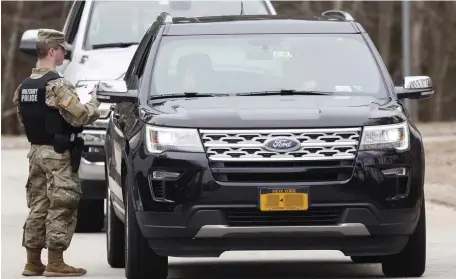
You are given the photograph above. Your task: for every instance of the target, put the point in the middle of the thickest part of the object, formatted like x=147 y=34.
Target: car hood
x=106 y=63
x=273 y=112
x=103 y=64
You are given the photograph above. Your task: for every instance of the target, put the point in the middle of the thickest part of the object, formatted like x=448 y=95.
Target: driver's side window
x=71 y=26
x=131 y=79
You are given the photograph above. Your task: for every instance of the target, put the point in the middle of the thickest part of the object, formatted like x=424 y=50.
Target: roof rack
x=222 y=18
x=165 y=17
x=338 y=14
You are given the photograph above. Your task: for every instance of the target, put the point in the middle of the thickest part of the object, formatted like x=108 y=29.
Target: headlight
x=172 y=139
x=394 y=136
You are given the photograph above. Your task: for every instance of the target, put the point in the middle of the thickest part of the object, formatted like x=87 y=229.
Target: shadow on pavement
x=274 y=269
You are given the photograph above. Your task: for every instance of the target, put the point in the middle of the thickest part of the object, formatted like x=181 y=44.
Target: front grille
x=247 y=145
x=317 y=216
x=93 y=154
x=93 y=137
x=100 y=123
x=240 y=155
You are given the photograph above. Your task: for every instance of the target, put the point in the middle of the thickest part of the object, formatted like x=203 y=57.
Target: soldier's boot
x=34 y=266
x=58 y=268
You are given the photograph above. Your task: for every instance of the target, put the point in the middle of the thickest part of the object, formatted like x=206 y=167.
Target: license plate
x=284 y=199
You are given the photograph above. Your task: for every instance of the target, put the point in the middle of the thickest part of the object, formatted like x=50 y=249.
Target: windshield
x=339 y=63
x=127 y=21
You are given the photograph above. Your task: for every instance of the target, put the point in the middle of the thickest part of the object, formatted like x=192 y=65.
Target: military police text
x=29 y=95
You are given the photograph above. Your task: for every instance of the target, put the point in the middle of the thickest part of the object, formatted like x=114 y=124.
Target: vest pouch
x=61 y=143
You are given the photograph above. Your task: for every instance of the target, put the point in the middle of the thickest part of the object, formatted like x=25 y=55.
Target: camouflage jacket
x=61 y=94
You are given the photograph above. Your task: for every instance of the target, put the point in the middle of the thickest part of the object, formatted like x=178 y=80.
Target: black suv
x=262 y=133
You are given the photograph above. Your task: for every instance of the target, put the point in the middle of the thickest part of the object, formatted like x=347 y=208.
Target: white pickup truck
x=104 y=36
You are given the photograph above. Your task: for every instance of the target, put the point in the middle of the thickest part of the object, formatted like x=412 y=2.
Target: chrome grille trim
x=275 y=131
x=247 y=145
x=303 y=144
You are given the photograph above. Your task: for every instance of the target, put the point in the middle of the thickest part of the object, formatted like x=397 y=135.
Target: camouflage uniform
x=53 y=190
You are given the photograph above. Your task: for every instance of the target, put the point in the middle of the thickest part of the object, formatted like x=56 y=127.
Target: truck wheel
x=90 y=216
x=114 y=236
x=141 y=262
x=411 y=261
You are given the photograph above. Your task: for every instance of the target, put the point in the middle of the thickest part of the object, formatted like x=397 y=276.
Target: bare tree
x=8 y=78
x=385 y=24
x=433 y=43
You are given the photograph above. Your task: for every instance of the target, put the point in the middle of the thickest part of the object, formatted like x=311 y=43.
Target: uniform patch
x=66 y=102
x=29 y=95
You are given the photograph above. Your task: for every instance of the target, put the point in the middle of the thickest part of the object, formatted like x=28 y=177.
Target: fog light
x=395 y=172
x=161 y=175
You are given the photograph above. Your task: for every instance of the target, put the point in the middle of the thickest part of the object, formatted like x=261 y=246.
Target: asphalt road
x=89 y=250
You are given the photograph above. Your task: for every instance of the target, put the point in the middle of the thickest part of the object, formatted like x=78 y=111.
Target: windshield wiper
x=185 y=95
x=285 y=92
x=120 y=44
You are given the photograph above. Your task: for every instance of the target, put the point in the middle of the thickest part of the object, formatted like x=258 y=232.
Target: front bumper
x=91 y=170
x=93 y=157
x=361 y=230
x=368 y=210
x=92 y=167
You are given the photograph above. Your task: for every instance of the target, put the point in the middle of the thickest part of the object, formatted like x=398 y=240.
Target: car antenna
x=242 y=8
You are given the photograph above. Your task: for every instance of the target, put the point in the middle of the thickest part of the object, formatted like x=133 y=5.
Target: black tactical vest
x=41 y=122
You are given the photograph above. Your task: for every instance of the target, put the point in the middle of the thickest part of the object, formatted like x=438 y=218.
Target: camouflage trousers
x=53 y=194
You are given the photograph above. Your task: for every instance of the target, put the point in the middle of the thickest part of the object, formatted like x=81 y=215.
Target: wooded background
x=433 y=44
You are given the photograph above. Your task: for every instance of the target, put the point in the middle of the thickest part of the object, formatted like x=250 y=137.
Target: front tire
x=141 y=262
x=114 y=236
x=411 y=261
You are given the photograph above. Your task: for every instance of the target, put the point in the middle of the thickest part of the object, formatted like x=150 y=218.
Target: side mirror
x=115 y=91
x=28 y=43
x=415 y=87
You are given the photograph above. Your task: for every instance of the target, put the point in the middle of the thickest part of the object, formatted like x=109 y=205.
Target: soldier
x=52 y=115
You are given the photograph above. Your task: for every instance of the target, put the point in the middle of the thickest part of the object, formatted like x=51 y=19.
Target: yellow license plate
x=284 y=199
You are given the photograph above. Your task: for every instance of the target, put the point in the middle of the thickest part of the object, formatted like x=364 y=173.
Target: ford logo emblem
x=282 y=144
